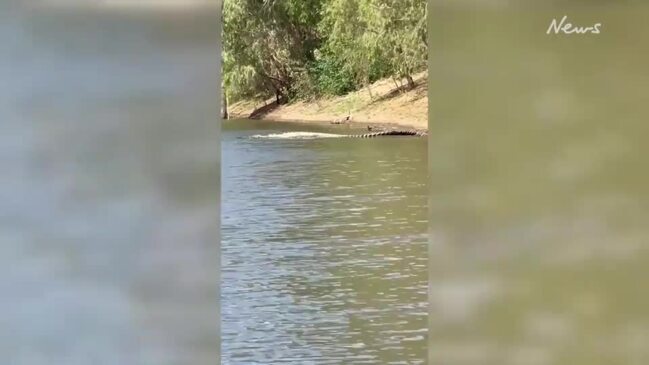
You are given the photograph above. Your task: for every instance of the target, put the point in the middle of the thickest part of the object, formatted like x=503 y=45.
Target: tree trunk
x=411 y=82
x=226 y=115
x=396 y=86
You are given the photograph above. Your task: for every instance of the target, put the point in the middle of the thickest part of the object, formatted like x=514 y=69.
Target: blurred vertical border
x=539 y=191
x=110 y=187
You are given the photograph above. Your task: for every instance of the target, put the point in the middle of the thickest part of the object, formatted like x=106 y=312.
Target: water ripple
x=324 y=251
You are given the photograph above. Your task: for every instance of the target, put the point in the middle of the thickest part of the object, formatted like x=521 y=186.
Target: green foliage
x=307 y=48
x=330 y=77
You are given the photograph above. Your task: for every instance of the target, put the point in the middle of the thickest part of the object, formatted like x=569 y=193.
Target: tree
x=290 y=48
x=377 y=38
x=272 y=39
x=405 y=36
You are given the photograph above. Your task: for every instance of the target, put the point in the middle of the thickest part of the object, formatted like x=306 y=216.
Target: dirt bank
x=388 y=105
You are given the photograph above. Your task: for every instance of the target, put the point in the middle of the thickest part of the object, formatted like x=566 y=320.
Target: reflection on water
x=324 y=248
x=539 y=189
x=109 y=184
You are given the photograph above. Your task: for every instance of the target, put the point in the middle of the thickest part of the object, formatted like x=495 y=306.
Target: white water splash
x=297 y=135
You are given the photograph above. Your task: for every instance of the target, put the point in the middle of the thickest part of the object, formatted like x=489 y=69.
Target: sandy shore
x=388 y=106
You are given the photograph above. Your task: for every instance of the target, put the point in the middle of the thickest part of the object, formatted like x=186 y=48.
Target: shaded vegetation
x=300 y=49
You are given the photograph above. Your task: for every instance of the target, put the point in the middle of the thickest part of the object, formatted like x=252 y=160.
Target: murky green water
x=539 y=186
x=324 y=248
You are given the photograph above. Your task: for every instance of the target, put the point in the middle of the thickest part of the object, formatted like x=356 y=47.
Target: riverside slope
x=388 y=106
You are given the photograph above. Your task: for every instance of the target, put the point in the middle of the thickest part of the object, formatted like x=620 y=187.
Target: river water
x=324 y=252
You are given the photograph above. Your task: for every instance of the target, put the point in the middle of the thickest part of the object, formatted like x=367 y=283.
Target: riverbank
x=389 y=104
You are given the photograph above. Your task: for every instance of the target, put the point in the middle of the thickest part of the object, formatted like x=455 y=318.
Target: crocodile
x=343 y=120
x=314 y=135
x=388 y=133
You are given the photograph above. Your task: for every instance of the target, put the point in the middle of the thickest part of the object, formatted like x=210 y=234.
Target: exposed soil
x=390 y=105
